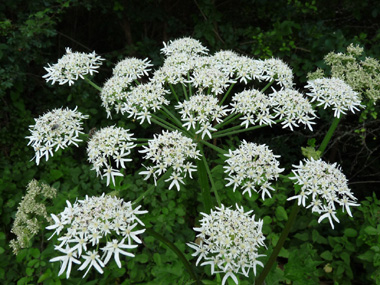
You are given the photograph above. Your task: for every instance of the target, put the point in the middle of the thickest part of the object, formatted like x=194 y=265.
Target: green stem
x=267 y=86
x=174 y=93
x=92 y=84
x=185 y=92
x=175 y=249
x=188 y=79
x=228 y=120
x=214 y=147
x=137 y=82
x=161 y=124
x=238 y=131
x=329 y=134
x=227 y=93
x=151 y=188
x=205 y=187
x=164 y=122
x=210 y=177
x=280 y=243
x=174 y=118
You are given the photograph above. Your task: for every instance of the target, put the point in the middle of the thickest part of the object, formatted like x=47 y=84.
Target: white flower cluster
x=229 y=240
x=132 y=68
x=56 y=129
x=200 y=111
x=334 y=92
x=322 y=185
x=114 y=93
x=187 y=45
x=107 y=148
x=252 y=166
x=295 y=109
x=102 y=223
x=276 y=69
x=143 y=100
x=71 y=66
x=210 y=78
x=170 y=149
x=254 y=105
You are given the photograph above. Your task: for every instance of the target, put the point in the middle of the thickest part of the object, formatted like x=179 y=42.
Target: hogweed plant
x=196 y=98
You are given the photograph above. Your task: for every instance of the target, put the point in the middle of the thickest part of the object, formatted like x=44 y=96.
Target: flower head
x=276 y=69
x=89 y=225
x=54 y=130
x=334 y=92
x=252 y=167
x=171 y=150
x=201 y=110
x=229 y=241
x=188 y=45
x=72 y=66
x=110 y=147
x=132 y=67
x=322 y=186
x=143 y=100
x=114 y=93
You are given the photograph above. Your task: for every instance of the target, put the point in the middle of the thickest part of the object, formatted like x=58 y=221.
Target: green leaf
x=371 y=231
x=302 y=236
x=316 y=237
x=55 y=174
x=45 y=276
x=327 y=255
x=281 y=214
x=350 y=232
x=29 y=271
x=142 y=258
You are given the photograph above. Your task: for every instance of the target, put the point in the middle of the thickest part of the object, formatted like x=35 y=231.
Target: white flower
x=66 y=260
x=229 y=240
x=110 y=144
x=170 y=149
x=186 y=44
x=89 y=225
x=55 y=130
x=277 y=70
x=322 y=186
x=132 y=68
x=72 y=66
x=336 y=93
x=252 y=166
x=203 y=110
x=143 y=100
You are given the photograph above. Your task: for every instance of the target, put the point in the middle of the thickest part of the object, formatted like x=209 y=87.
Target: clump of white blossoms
x=31 y=213
x=279 y=71
x=199 y=112
x=170 y=150
x=143 y=100
x=229 y=241
x=132 y=67
x=71 y=66
x=55 y=130
x=114 y=93
x=293 y=108
x=322 y=186
x=94 y=230
x=187 y=45
x=110 y=147
x=252 y=167
x=255 y=106
x=334 y=92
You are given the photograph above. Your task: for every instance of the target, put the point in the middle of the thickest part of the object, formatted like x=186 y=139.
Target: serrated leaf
x=281 y=214
x=327 y=255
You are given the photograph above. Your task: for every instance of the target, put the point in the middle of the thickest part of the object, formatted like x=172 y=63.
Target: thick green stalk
x=173 y=91
x=205 y=187
x=238 y=131
x=267 y=86
x=184 y=91
x=210 y=177
x=214 y=147
x=92 y=84
x=175 y=249
x=228 y=120
x=329 y=134
x=161 y=124
x=174 y=118
x=280 y=243
x=227 y=93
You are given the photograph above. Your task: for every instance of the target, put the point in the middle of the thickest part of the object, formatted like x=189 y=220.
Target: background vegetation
x=34 y=33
